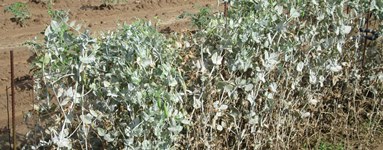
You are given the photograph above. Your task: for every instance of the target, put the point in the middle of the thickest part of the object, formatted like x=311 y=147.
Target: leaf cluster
x=272 y=75
x=20 y=12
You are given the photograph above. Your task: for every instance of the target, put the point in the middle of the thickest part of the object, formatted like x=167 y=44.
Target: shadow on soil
x=4 y=139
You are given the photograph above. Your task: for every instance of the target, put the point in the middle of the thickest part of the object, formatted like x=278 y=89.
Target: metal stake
x=9 y=127
x=13 y=101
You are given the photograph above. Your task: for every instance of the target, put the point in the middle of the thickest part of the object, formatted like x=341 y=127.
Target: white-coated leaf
x=47 y=31
x=216 y=59
x=249 y=87
x=313 y=101
x=61 y=141
x=60 y=92
x=187 y=44
x=172 y=82
x=261 y=77
x=78 y=27
x=305 y=114
x=101 y=131
x=223 y=107
x=215 y=104
x=320 y=17
x=270 y=60
x=69 y=118
x=300 y=66
x=108 y=138
x=294 y=13
x=69 y=92
x=87 y=60
x=339 y=47
x=65 y=101
x=254 y=120
x=87 y=119
x=273 y=87
x=312 y=77
x=185 y=121
x=197 y=103
x=93 y=113
x=175 y=129
x=72 y=24
x=146 y=62
x=219 y=128
x=279 y=9
x=55 y=25
x=335 y=68
x=106 y=84
x=251 y=97
x=380 y=76
x=321 y=80
x=314 y=2
x=345 y=30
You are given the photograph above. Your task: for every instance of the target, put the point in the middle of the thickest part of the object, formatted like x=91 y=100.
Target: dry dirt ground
x=91 y=16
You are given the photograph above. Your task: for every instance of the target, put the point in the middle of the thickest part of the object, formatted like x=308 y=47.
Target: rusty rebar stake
x=365 y=40
x=225 y=9
x=13 y=101
x=9 y=127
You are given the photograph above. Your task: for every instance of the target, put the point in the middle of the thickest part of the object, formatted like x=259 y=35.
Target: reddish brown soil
x=85 y=12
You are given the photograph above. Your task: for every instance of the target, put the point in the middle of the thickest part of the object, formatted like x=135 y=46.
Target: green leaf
x=166 y=111
x=46 y=59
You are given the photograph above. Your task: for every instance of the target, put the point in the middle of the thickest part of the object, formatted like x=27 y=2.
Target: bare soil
x=92 y=15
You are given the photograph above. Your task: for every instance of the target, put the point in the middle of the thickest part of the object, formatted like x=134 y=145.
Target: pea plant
x=119 y=91
x=19 y=11
x=113 y=2
x=268 y=75
x=283 y=74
